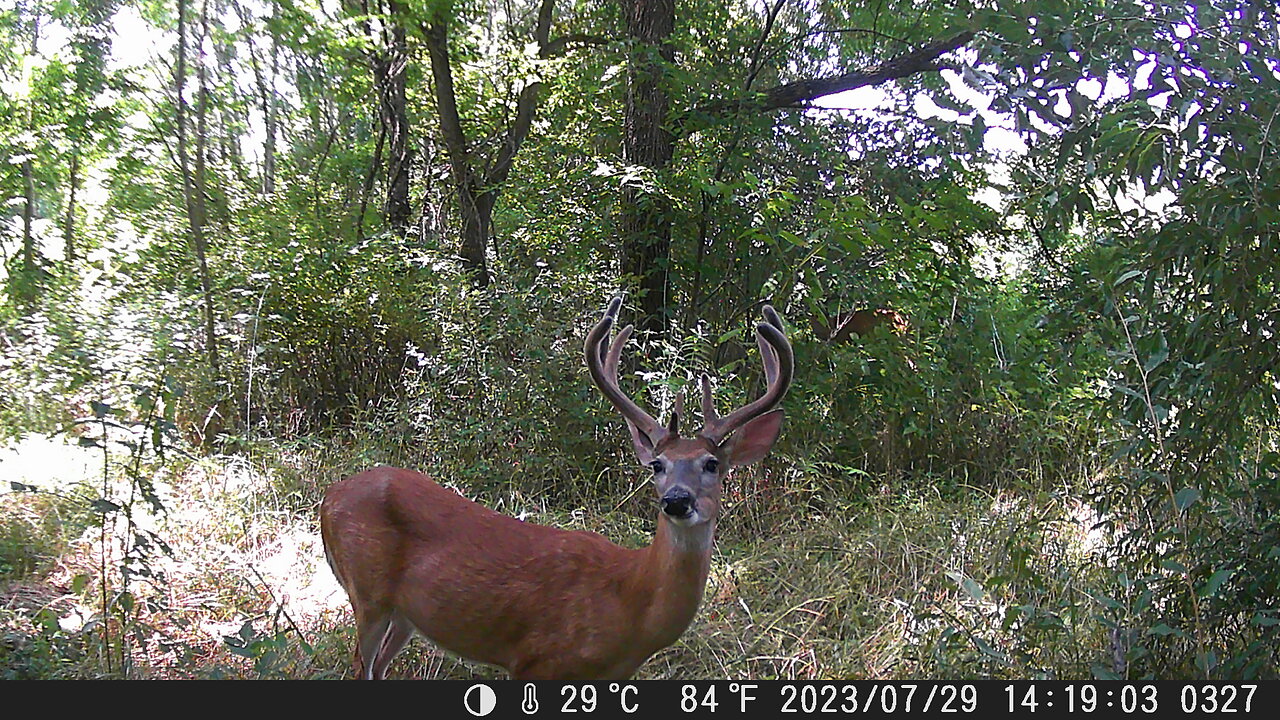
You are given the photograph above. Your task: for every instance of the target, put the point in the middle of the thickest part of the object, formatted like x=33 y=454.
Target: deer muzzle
x=678 y=503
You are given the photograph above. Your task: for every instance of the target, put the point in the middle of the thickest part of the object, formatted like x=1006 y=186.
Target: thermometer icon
x=530 y=702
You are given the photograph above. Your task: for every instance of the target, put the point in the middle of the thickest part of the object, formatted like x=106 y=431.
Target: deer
x=845 y=325
x=546 y=603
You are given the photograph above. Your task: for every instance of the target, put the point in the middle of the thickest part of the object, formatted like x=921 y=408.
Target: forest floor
x=229 y=580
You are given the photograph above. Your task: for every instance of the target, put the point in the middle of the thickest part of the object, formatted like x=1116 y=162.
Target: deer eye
x=657 y=466
x=711 y=465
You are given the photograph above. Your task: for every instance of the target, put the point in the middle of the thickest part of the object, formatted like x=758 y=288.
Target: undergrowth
x=805 y=583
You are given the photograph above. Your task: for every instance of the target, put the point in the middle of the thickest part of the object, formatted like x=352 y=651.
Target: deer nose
x=678 y=503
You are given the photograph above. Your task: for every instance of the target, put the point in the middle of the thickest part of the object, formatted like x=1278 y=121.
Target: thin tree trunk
x=29 y=175
x=646 y=216
x=270 y=116
x=389 y=62
x=478 y=191
x=265 y=93
x=475 y=212
x=374 y=168
x=69 y=226
x=229 y=116
x=202 y=186
x=28 y=217
x=394 y=74
x=193 y=188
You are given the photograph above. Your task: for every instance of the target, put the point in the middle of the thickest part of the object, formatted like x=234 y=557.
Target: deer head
x=688 y=471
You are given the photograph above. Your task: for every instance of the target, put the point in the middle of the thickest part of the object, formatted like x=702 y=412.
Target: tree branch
x=543 y=30
x=516 y=134
x=799 y=93
x=562 y=44
x=526 y=104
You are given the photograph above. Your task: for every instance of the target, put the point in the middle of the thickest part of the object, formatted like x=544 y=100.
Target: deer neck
x=671 y=577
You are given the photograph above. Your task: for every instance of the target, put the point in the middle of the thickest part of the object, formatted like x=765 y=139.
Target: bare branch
x=564 y=43
x=516 y=134
x=924 y=59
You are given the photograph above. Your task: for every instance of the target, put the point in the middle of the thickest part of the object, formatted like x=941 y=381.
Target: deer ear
x=642 y=444
x=754 y=440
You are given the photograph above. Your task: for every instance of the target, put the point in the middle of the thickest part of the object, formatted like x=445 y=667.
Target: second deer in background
x=845 y=325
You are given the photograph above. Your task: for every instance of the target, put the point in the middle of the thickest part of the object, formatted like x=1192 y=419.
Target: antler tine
x=771 y=316
x=769 y=358
x=603 y=367
x=778 y=367
x=767 y=354
x=596 y=339
x=613 y=356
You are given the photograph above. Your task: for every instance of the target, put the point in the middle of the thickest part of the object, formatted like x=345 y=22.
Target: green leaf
x=1154 y=360
x=1163 y=630
x=1206 y=661
x=1215 y=582
x=1103 y=673
x=104 y=506
x=969 y=585
x=1185 y=498
x=1126 y=277
x=988 y=650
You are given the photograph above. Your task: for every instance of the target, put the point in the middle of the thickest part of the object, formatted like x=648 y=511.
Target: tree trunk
x=268 y=147
x=29 y=177
x=477 y=223
x=478 y=191
x=28 y=217
x=374 y=167
x=269 y=115
x=389 y=62
x=193 y=188
x=202 y=190
x=69 y=226
x=229 y=116
x=391 y=69
x=265 y=97
x=476 y=206
x=647 y=216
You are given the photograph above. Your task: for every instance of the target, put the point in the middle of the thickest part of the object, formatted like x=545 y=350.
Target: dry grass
x=802 y=586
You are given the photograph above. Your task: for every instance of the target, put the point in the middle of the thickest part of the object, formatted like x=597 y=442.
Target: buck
x=542 y=602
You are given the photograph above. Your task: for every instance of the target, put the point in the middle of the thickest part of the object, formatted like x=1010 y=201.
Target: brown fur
x=528 y=598
x=845 y=325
